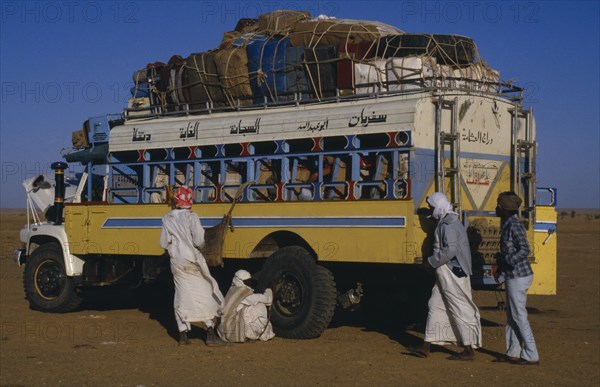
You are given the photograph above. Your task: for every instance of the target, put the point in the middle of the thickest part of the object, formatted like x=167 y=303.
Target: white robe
x=453 y=316
x=249 y=319
x=197 y=294
x=256 y=316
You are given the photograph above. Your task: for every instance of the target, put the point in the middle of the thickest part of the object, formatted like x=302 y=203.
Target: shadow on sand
x=396 y=308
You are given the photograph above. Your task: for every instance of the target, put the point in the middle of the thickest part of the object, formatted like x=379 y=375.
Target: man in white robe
x=245 y=314
x=453 y=316
x=197 y=294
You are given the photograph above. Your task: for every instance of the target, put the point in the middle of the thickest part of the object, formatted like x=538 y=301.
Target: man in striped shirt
x=513 y=264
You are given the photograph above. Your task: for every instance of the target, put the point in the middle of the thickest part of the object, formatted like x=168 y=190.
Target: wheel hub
x=288 y=294
x=49 y=280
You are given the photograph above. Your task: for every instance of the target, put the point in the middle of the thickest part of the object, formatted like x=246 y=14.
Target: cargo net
x=286 y=56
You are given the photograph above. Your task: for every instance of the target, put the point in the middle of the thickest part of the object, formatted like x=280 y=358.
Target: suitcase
x=321 y=71
x=371 y=76
x=349 y=54
x=412 y=72
x=295 y=74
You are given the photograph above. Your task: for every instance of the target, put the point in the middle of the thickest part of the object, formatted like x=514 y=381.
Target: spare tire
x=446 y=49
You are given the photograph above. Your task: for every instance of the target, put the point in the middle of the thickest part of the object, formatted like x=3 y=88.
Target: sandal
x=183 y=338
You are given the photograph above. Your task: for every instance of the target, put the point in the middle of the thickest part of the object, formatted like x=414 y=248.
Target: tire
x=47 y=287
x=304 y=293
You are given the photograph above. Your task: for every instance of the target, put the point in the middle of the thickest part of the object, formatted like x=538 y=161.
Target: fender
x=45 y=232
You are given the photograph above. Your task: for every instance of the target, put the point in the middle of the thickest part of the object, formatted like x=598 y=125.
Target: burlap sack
x=246 y=25
x=279 y=22
x=232 y=67
x=228 y=38
x=336 y=32
x=202 y=80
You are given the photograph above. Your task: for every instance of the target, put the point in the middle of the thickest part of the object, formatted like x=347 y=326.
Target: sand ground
x=120 y=337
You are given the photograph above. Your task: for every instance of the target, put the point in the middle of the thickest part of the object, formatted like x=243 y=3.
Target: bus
x=321 y=187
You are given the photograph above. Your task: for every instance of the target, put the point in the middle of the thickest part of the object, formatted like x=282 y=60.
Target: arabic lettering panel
x=284 y=123
x=479 y=176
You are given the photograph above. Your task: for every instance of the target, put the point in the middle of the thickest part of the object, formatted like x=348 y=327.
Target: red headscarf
x=184 y=196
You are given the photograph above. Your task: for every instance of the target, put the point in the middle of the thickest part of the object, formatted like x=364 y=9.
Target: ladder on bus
x=448 y=141
x=523 y=155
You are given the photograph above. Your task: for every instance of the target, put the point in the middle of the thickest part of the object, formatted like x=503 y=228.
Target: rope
x=446 y=64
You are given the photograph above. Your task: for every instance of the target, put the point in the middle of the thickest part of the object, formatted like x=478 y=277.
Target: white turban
x=441 y=205
x=240 y=276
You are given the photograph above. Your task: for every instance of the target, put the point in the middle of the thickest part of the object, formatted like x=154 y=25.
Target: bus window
x=208 y=180
x=266 y=176
x=335 y=177
x=304 y=171
x=184 y=174
x=234 y=175
x=125 y=183
x=160 y=180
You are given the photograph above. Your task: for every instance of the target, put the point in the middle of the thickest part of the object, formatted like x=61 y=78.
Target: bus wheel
x=46 y=284
x=304 y=294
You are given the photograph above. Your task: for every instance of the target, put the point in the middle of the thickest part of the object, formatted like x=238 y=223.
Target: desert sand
x=120 y=337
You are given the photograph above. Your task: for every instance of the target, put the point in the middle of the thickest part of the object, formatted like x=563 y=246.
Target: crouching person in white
x=245 y=315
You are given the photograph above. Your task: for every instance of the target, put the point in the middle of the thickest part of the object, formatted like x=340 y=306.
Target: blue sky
x=64 y=61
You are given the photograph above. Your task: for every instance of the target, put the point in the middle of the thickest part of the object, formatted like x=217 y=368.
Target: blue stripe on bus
x=321 y=222
x=249 y=222
x=148 y=222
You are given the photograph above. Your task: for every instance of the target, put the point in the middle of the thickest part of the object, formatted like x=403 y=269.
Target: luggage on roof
x=285 y=55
